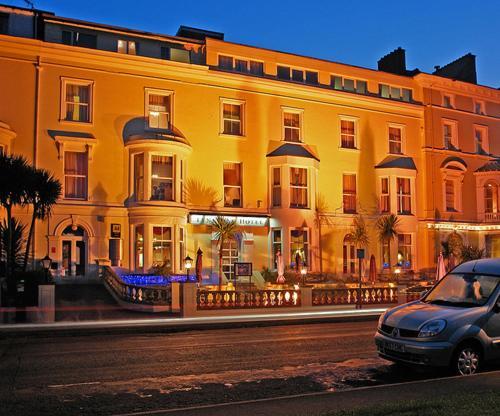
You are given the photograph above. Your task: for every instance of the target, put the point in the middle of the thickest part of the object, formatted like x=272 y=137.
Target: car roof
x=486 y=266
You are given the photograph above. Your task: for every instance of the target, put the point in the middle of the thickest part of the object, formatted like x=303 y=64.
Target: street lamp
x=46 y=263
x=303 y=272
x=188 y=264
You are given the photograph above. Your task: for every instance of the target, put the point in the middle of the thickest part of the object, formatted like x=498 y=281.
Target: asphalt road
x=111 y=374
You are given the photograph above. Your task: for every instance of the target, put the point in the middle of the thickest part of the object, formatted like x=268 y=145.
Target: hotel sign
x=463 y=227
x=198 y=219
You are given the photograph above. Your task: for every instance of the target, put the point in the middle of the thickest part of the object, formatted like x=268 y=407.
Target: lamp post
x=46 y=263
x=188 y=264
x=303 y=272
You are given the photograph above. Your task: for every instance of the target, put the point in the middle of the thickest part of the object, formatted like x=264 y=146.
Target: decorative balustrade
x=234 y=299
x=348 y=296
x=492 y=216
x=145 y=295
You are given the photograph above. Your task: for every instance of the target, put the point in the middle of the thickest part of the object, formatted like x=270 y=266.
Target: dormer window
x=127 y=46
x=348 y=84
x=448 y=101
x=297 y=75
x=479 y=107
x=242 y=65
x=396 y=93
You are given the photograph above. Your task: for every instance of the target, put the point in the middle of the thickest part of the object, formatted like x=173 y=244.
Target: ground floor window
x=299 y=248
x=162 y=246
x=348 y=256
x=230 y=255
x=182 y=250
x=492 y=245
x=139 y=246
x=276 y=245
x=404 y=251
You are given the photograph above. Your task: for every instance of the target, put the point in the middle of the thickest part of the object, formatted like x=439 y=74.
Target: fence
x=369 y=296
x=231 y=299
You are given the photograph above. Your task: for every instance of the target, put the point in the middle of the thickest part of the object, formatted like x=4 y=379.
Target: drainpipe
x=38 y=69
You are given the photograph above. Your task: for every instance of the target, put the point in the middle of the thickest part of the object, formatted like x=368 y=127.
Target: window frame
x=63 y=104
x=127 y=46
x=274 y=186
x=401 y=196
x=150 y=179
x=300 y=113
x=232 y=101
x=401 y=127
x=482 y=106
x=407 y=247
x=484 y=140
x=354 y=120
x=64 y=196
x=454 y=134
x=306 y=187
x=171 y=241
x=350 y=194
x=306 y=245
x=165 y=93
x=452 y=100
x=241 y=58
x=274 y=243
x=385 y=195
x=240 y=187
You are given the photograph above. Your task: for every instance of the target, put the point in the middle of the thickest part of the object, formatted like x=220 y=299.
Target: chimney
x=394 y=62
x=462 y=69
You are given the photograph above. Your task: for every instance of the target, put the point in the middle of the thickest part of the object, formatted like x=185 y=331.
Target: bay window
x=298 y=188
x=162 y=178
x=162 y=246
x=276 y=187
x=404 y=251
x=385 y=197
x=139 y=177
x=403 y=186
x=299 y=247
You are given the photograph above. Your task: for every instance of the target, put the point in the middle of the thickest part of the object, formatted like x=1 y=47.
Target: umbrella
x=199 y=262
x=451 y=262
x=373 y=270
x=281 y=268
x=441 y=270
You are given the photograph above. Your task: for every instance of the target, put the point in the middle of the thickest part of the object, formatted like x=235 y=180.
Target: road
x=111 y=374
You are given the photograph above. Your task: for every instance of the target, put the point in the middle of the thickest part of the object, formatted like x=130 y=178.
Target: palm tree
x=12 y=241
x=359 y=234
x=224 y=230
x=320 y=219
x=43 y=191
x=14 y=170
x=387 y=227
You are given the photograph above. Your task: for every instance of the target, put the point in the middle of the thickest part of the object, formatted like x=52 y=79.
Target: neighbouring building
x=152 y=136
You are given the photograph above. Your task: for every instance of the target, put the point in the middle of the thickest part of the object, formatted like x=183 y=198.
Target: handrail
x=145 y=295
x=349 y=296
x=242 y=299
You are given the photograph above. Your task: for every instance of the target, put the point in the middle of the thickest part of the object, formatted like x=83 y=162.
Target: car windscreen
x=463 y=289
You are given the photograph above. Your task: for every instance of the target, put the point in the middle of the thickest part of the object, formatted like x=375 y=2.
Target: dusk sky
x=358 y=33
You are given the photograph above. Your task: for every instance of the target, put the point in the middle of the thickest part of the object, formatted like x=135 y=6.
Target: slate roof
x=400 y=162
x=493 y=166
x=291 y=149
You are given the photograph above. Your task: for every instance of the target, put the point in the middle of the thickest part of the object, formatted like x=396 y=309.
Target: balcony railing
x=492 y=216
x=232 y=299
x=369 y=296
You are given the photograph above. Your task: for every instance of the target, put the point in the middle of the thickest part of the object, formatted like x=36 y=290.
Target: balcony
x=492 y=216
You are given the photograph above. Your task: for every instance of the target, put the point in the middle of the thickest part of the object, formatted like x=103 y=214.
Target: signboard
x=242 y=269
x=116 y=230
x=199 y=219
x=360 y=253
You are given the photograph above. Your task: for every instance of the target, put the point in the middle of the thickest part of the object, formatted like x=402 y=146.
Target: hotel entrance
x=74 y=251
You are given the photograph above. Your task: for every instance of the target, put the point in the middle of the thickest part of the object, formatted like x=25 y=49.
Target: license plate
x=394 y=346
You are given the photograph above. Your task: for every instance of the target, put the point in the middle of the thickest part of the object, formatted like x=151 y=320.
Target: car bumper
x=435 y=354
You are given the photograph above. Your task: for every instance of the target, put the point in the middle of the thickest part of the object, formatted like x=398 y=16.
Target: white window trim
x=62 y=108
x=239 y=162
x=308 y=254
x=455 y=172
x=412 y=249
x=403 y=138
x=344 y=77
x=165 y=93
x=454 y=133
x=172 y=243
x=63 y=193
x=381 y=194
x=357 y=192
x=233 y=101
x=271 y=185
x=412 y=194
x=356 y=132
x=149 y=160
x=308 y=187
x=300 y=112
x=271 y=235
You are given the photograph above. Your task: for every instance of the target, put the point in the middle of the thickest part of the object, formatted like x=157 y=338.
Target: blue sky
x=354 y=32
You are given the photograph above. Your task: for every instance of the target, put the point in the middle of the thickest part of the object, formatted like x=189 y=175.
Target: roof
x=400 y=162
x=487 y=266
x=70 y=134
x=292 y=149
x=493 y=166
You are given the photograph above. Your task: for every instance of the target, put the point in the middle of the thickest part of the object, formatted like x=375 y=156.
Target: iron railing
x=235 y=299
x=348 y=296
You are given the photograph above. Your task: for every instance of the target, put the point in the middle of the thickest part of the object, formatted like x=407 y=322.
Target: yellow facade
x=118 y=143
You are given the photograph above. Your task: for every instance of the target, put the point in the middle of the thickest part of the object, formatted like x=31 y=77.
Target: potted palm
x=224 y=229
x=387 y=228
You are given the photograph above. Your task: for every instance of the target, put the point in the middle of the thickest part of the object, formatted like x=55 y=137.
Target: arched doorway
x=74 y=250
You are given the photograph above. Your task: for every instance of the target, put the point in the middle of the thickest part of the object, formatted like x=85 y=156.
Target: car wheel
x=467 y=360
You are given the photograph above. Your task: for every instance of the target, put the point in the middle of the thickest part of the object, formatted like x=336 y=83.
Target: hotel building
x=152 y=136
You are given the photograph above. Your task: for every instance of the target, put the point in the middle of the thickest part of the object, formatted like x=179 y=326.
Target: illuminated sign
x=198 y=219
x=462 y=227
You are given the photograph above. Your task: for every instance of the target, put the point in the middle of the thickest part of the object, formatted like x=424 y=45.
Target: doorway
x=74 y=251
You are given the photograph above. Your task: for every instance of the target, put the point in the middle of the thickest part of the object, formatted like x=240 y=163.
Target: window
x=395 y=140
x=480 y=136
x=139 y=177
x=491 y=199
x=162 y=178
x=298 y=188
x=158 y=109
x=396 y=93
x=4 y=23
x=241 y=65
x=299 y=247
x=348 y=256
x=230 y=255
x=162 y=246
x=311 y=77
x=450 y=195
x=127 y=46
x=75 y=175
x=349 y=193
x=479 y=107
x=404 y=251
x=164 y=52
x=404 y=195
x=283 y=72
x=232 y=118
x=450 y=137
x=77 y=98
x=182 y=175
x=276 y=245
x=292 y=126
x=139 y=247
x=232 y=185
x=84 y=40
x=180 y=55
x=297 y=75
x=385 y=198
x=448 y=101
x=347 y=134
x=347 y=84
x=276 y=187
x=182 y=248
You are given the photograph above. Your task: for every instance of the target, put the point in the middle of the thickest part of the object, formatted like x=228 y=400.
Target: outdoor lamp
x=397 y=270
x=46 y=262
x=188 y=263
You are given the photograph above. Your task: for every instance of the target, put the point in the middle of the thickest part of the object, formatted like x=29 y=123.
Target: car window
x=465 y=289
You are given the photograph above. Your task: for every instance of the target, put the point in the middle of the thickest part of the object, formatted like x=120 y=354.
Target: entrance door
x=80 y=258
x=229 y=257
x=66 y=255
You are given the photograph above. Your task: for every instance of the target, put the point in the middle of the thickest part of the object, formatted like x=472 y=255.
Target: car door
x=492 y=329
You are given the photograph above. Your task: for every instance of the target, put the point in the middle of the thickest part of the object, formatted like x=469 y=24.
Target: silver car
x=456 y=324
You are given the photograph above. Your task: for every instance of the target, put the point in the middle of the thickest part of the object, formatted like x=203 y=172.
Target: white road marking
x=57 y=386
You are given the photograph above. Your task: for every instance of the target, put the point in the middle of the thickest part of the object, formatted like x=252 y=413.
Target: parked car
x=456 y=324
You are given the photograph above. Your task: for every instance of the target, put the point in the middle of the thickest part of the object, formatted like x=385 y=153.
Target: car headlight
x=432 y=328
x=381 y=319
